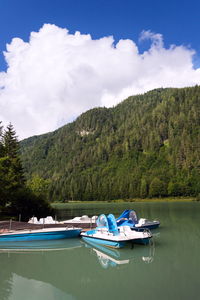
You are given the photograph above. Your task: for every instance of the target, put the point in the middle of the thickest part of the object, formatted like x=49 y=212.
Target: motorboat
x=129 y=218
x=39 y=234
x=107 y=233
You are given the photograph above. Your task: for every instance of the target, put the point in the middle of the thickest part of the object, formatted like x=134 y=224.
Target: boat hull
x=144 y=241
x=103 y=242
x=115 y=244
x=148 y=226
x=39 y=236
x=153 y=226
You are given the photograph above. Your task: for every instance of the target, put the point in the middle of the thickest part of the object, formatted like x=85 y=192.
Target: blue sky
x=178 y=21
x=50 y=75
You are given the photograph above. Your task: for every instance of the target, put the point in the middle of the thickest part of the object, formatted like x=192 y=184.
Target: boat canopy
x=102 y=221
x=108 y=222
x=112 y=224
x=133 y=216
x=127 y=217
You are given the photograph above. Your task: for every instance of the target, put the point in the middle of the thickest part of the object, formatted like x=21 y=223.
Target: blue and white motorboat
x=129 y=218
x=108 y=234
x=39 y=234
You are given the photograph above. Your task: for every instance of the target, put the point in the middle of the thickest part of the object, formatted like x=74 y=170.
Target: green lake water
x=167 y=269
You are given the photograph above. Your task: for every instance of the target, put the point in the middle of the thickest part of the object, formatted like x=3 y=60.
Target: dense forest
x=18 y=197
x=146 y=146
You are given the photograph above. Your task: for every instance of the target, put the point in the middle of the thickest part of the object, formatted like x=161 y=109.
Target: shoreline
x=162 y=200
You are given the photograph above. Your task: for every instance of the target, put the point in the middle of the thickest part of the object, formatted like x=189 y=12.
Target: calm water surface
x=166 y=269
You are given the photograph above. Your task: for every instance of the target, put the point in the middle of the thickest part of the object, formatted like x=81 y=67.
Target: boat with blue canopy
x=107 y=233
x=129 y=218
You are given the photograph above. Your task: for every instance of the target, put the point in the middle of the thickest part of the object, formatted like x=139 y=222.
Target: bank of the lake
x=62 y=205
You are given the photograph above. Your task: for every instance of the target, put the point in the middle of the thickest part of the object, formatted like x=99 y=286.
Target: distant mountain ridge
x=146 y=146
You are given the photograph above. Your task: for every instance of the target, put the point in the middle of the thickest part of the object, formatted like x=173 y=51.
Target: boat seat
x=33 y=220
x=85 y=217
x=103 y=230
x=142 y=221
x=124 y=229
x=49 y=220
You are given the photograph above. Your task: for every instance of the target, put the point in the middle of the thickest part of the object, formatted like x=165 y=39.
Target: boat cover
x=112 y=224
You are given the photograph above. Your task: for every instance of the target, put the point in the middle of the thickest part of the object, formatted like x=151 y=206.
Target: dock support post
x=10 y=225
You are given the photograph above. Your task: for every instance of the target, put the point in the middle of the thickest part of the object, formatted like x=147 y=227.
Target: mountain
x=146 y=146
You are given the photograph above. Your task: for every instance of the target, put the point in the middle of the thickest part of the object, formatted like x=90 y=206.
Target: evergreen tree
x=157 y=188
x=5 y=181
x=10 y=142
x=11 y=173
x=15 y=197
x=11 y=150
x=143 y=188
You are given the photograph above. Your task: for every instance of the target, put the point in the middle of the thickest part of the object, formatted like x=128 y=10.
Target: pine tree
x=143 y=188
x=157 y=188
x=10 y=142
x=15 y=197
x=11 y=151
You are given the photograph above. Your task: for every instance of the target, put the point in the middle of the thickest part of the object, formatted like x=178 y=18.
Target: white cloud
x=156 y=38
x=56 y=76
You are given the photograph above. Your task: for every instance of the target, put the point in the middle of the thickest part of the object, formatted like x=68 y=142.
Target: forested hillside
x=148 y=145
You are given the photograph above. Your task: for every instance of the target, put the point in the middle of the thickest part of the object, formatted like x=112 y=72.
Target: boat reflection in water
x=44 y=245
x=109 y=257
x=67 y=269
